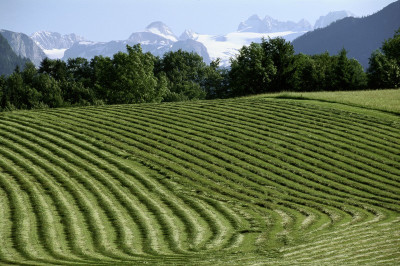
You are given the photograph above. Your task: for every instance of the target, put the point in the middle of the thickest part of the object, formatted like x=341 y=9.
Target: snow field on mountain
x=228 y=46
x=55 y=53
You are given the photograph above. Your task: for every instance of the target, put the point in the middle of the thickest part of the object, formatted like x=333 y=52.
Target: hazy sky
x=105 y=20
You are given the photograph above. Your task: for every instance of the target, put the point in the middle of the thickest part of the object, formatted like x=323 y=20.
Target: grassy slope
x=241 y=181
x=385 y=100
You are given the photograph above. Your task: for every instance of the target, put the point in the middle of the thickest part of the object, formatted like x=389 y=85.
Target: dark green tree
x=79 y=70
x=281 y=53
x=187 y=75
x=383 y=72
x=102 y=76
x=50 y=90
x=305 y=78
x=75 y=93
x=217 y=81
x=78 y=88
x=12 y=93
x=18 y=95
x=325 y=71
x=2 y=86
x=251 y=71
x=128 y=78
x=384 y=68
x=29 y=74
x=358 y=77
x=342 y=72
x=55 y=68
x=391 y=47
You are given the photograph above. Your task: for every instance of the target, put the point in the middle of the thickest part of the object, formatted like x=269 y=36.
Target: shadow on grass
x=291 y=97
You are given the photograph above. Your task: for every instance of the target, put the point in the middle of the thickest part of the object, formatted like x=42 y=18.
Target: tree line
x=137 y=77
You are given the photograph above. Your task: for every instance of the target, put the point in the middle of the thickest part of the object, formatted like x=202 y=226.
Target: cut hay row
x=241 y=181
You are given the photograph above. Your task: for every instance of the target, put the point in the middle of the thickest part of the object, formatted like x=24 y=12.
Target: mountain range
x=53 y=43
x=332 y=32
x=158 y=39
x=54 y=40
x=270 y=25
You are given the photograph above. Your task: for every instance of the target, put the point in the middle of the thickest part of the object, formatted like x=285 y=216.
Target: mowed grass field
x=249 y=181
x=384 y=100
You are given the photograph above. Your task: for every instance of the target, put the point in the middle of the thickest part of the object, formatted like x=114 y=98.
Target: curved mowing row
x=238 y=181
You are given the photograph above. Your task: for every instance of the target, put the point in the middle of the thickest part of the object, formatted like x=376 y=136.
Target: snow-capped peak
x=162 y=30
x=53 y=40
x=41 y=33
x=188 y=35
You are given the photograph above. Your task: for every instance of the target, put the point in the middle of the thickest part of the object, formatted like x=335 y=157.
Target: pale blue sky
x=105 y=20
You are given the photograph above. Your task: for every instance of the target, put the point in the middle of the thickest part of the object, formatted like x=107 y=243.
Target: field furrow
x=236 y=182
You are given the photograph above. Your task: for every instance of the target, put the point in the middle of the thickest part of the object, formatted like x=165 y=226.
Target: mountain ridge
x=359 y=36
x=270 y=25
x=9 y=60
x=157 y=38
x=331 y=17
x=24 y=46
x=53 y=40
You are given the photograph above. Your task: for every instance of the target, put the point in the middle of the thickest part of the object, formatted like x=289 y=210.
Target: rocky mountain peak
x=188 y=35
x=48 y=40
x=159 y=28
x=269 y=25
x=331 y=17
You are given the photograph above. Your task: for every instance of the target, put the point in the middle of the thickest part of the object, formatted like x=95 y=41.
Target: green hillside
x=383 y=100
x=245 y=181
